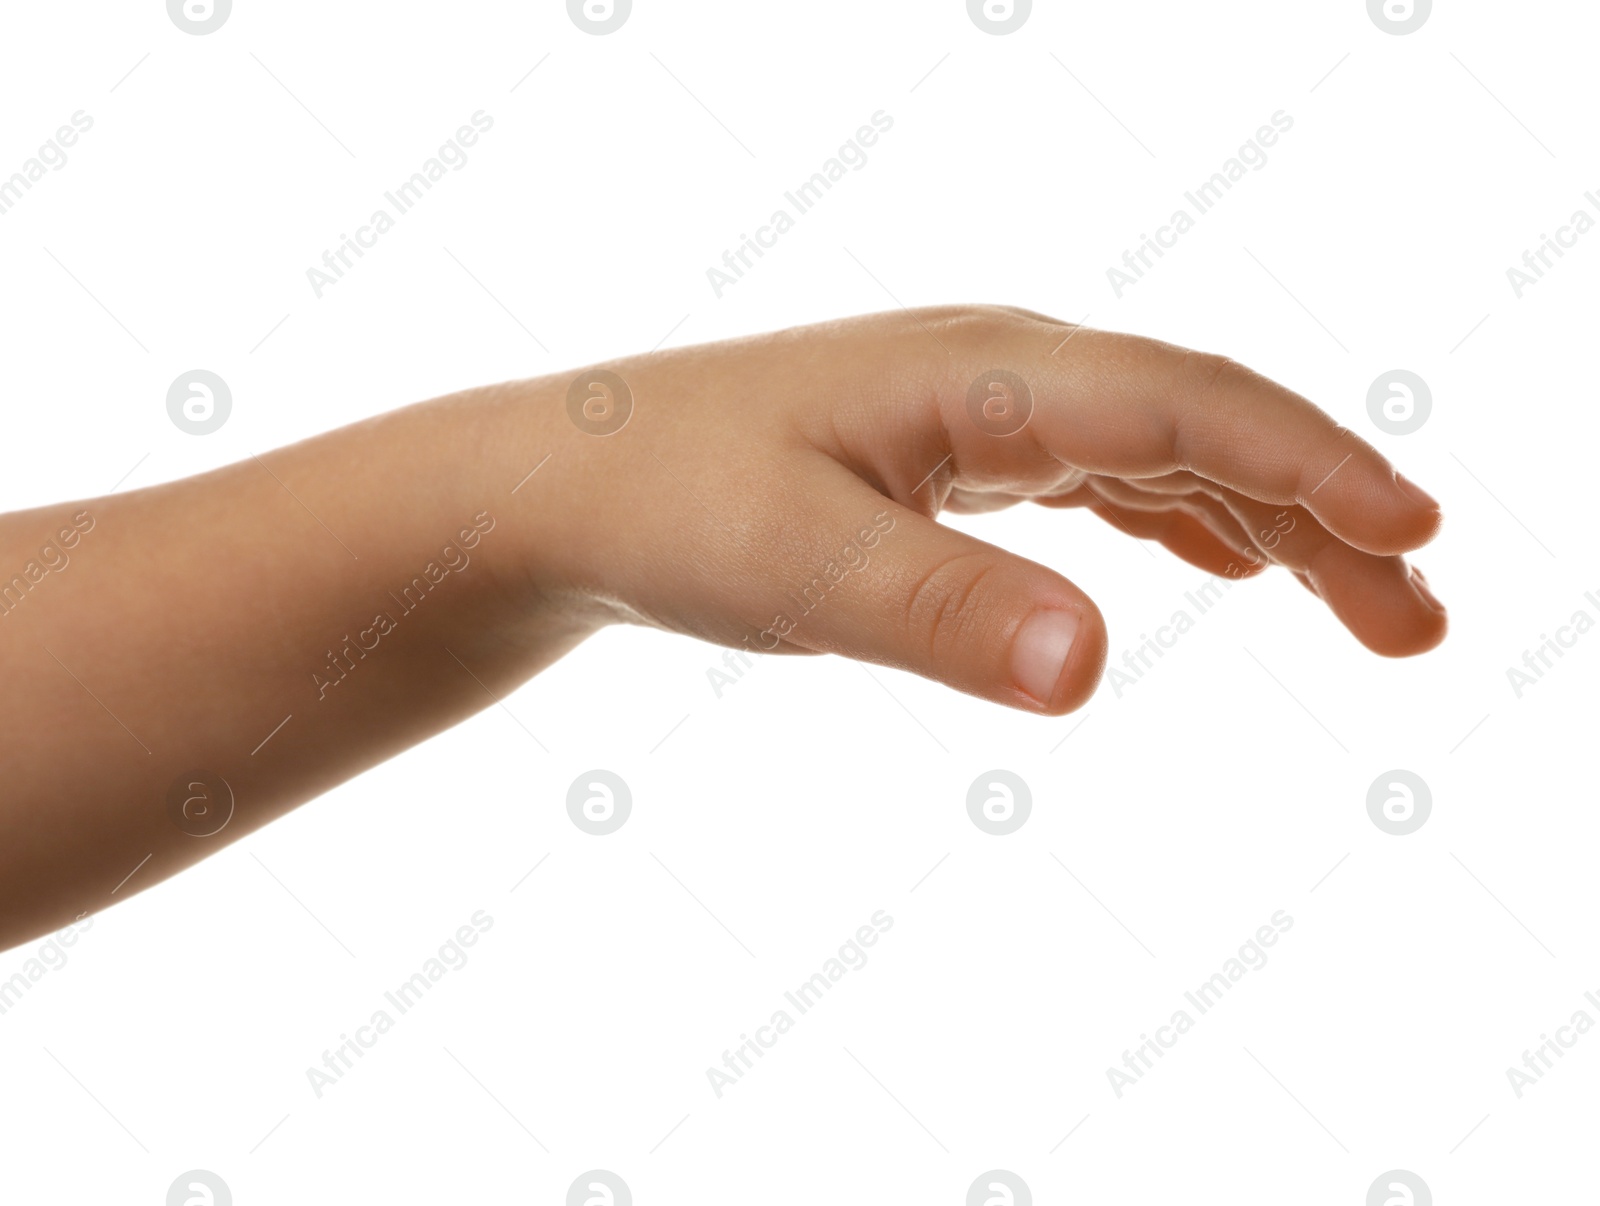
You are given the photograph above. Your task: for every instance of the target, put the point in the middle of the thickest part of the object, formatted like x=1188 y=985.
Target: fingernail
x=1415 y=492
x=1420 y=585
x=1040 y=650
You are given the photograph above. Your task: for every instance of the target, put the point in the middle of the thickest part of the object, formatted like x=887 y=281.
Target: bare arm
x=261 y=633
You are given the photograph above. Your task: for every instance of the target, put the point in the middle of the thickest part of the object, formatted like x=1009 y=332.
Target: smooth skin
x=194 y=616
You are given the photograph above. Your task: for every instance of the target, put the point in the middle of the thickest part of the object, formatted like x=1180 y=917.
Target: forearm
x=280 y=624
x=287 y=622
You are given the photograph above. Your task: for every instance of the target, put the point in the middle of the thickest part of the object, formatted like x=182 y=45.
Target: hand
x=382 y=582
x=779 y=494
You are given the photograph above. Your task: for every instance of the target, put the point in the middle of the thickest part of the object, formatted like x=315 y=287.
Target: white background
x=1230 y=782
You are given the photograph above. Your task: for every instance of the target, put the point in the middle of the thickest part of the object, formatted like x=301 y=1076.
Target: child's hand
x=330 y=604
x=778 y=493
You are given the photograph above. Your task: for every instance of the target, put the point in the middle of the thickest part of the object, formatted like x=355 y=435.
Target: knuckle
x=977 y=321
x=1034 y=317
x=942 y=606
x=1199 y=381
x=1324 y=456
x=1203 y=373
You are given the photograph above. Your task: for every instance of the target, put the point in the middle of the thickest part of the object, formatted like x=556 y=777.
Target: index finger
x=1130 y=407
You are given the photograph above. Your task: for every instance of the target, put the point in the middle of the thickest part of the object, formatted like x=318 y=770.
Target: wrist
x=520 y=471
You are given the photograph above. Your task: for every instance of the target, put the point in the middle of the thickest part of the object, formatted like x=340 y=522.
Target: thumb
x=950 y=607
